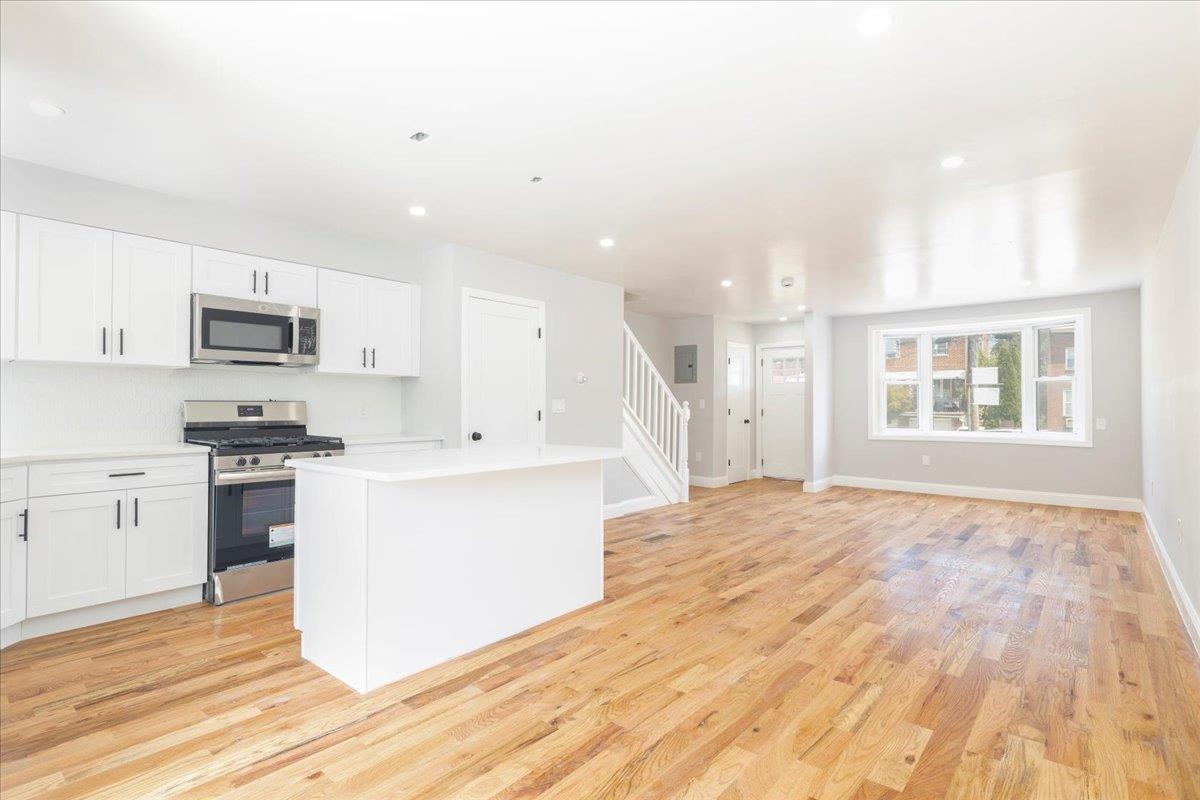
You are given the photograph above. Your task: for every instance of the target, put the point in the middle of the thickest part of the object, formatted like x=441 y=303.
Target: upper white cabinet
x=152 y=281
x=64 y=291
x=91 y=295
x=253 y=278
x=369 y=326
x=8 y=285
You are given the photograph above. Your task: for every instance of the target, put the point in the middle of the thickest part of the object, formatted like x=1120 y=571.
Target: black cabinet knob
x=476 y=436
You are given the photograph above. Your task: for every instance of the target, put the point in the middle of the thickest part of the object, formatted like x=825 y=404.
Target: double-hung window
x=1017 y=379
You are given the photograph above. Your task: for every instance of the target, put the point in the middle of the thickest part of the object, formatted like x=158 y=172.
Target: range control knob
x=241 y=462
x=285 y=458
x=316 y=455
x=328 y=454
x=254 y=461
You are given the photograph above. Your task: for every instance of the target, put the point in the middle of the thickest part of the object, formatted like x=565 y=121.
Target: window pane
x=1055 y=406
x=949 y=403
x=788 y=369
x=901 y=352
x=994 y=381
x=902 y=405
x=1056 y=351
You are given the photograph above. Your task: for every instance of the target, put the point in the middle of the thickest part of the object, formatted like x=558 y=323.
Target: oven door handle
x=233 y=477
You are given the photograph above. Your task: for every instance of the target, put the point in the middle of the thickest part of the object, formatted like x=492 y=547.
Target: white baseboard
x=707 y=482
x=820 y=485
x=755 y=474
x=613 y=510
x=1187 y=609
x=990 y=493
x=94 y=615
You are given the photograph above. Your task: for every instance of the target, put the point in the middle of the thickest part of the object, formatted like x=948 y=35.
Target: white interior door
x=782 y=421
x=504 y=371
x=152 y=285
x=739 y=385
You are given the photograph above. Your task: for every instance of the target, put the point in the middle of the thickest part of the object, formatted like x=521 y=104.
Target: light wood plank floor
x=756 y=643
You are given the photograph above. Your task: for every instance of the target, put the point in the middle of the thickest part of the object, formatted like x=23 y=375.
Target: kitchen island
x=406 y=560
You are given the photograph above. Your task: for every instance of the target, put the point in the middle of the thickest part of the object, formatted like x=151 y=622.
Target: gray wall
x=1171 y=382
x=819 y=394
x=1112 y=467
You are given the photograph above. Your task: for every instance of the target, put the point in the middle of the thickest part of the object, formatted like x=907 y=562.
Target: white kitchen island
x=406 y=560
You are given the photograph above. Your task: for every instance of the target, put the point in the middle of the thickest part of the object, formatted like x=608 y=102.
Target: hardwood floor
x=755 y=643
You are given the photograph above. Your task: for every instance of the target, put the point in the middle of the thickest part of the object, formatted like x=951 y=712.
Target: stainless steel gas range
x=252 y=490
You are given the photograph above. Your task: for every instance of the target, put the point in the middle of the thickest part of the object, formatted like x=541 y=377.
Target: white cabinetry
x=89 y=295
x=165 y=543
x=253 y=278
x=8 y=285
x=152 y=282
x=76 y=550
x=369 y=326
x=145 y=532
x=64 y=291
x=13 y=550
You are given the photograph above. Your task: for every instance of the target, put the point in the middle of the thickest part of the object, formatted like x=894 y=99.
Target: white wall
x=656 y=337
x=819 y=394
x=1112 y=467
x=54 y=405
x=1170 y=316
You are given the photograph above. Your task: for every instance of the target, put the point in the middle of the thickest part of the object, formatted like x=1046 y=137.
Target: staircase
x=655 y=434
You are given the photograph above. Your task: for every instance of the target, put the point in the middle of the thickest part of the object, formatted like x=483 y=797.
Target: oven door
x=252 y=514
x=226 y=329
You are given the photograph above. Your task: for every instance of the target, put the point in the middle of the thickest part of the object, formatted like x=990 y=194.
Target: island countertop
x=422 y=464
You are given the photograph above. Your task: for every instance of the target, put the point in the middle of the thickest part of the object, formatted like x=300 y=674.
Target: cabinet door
x=166 y=541
x=389 y=321
x=287 y=283
x=152 y=284
x=76 y=551
x=343 y=334
x=225 y=274
x=12 y=562
x=64 y=291
x=8 y=285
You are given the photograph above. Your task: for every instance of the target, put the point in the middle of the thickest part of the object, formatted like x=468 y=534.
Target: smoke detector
x=788 y=282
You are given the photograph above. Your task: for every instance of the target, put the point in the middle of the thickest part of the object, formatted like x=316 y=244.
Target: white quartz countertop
x=423 y=464
x=38 y=455
x=390 y=438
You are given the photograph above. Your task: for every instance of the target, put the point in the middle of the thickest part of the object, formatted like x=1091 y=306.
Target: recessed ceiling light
x=874 y=21
x=799 y=308
x=536 y=179
x=417 y=211
x=44 y=109
x=1027 y=283
x=419 y=136
x=727 y=283
x=607 y=243
x=783 y=319
x=953 y=162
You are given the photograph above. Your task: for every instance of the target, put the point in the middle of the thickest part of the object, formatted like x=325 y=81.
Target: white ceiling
x=744 y=141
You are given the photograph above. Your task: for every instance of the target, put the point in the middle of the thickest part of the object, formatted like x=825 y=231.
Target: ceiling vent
x=788 y=282
x=419 y=136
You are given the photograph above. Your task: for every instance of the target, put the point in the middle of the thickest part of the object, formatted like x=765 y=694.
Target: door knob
x=746 y=421
x=476 y=436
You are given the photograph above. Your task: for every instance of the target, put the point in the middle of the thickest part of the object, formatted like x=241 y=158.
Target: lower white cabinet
x=13 y=551
x=165 y=540
x=76 y=550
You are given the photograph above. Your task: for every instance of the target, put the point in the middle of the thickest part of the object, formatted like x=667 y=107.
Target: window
x=787 y=369
x=1004 y=380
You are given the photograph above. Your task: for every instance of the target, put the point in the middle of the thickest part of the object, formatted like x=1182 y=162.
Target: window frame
x=1027 y=325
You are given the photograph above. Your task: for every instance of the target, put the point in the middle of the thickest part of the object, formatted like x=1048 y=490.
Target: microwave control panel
x=307 y=344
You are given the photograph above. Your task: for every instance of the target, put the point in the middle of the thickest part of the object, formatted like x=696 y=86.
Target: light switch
x=558 y=406
x=701 y=402
x=925 y=461
x=1101 y=424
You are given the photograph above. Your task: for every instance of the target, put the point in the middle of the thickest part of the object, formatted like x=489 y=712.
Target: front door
x=782 y=421
x=503 y=371
x=739 y=383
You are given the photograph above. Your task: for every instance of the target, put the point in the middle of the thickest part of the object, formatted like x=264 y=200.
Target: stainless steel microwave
x=228 y=330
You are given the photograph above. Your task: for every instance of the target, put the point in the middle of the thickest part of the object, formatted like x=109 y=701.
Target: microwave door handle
x=295 y=326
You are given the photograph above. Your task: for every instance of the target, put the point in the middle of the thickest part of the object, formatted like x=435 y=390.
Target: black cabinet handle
x=372 y=358
x=118 y=515
x=24 y=534
x=476 y=436
x=103 y=340
x=266 y=283
x=364 y=358
x=121 y=342
x=254 y=282
x=124 y=474
x=135 y=512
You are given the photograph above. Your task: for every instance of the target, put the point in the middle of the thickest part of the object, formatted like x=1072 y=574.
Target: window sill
x=996 y=438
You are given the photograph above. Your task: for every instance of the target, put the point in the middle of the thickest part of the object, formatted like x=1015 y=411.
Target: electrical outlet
x=1101 y=424
x=699 y=456
x=701 y=403
x=558 y=406
x=925 y=461
x=1179 y=528
x=362 y=411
